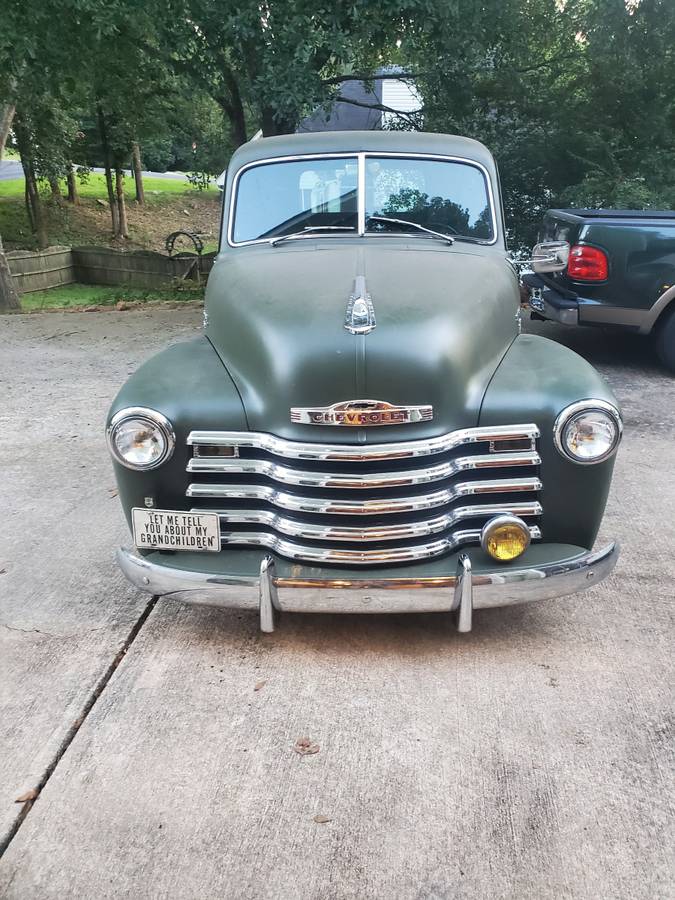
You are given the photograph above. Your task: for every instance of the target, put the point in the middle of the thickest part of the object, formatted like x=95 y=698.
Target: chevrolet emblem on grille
x=361 y=414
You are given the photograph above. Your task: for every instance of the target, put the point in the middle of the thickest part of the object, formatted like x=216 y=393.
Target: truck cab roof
x=403 y=142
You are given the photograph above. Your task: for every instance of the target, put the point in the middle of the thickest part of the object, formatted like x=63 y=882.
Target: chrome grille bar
x=278 y=478
x=298 y=503
x=373 y=452
x=367 y=480
x=403 y=531
x=308 y=553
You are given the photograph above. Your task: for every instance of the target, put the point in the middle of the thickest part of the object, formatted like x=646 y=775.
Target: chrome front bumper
x=460 y=593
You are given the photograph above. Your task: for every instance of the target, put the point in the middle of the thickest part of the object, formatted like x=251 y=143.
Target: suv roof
x=617 y=213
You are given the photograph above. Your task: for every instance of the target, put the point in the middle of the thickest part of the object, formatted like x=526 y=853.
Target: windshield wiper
x=437 y=234
x=308 y=230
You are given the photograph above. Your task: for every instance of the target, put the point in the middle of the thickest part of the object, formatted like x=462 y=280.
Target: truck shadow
x=603 y=347
x=409 y=636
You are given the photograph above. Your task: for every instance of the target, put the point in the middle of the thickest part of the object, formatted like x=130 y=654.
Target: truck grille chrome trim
x=365 y=481
x=388 y=555
x=312 y=532
x=298 y=503
x=405 y=500
x=372 y=452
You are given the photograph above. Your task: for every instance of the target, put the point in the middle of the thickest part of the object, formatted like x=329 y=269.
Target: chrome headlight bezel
x=150 y=417
x=572 y=412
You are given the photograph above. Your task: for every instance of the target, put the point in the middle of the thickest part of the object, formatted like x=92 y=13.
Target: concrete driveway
x=529 y=759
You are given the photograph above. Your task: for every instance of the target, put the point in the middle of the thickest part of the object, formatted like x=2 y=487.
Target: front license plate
x=166 y=529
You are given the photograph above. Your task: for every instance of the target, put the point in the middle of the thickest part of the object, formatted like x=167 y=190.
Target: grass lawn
x=95 y=187
x=71 y=296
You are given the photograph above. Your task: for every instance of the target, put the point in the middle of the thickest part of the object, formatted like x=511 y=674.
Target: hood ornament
x=360 y=312
x=361 y=414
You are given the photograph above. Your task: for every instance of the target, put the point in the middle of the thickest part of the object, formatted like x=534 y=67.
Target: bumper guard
x=460 y=593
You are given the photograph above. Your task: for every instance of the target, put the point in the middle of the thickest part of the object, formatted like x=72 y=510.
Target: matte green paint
x=536 y=380
x=189 y=385
x=446 y=334
x=445 y=317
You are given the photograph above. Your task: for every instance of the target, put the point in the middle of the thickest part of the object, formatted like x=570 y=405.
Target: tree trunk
x=138 y=171
x=112 y=199
x=55 y=188
x=238 y=126
x=6 y=116
x=29 y=208
x=9 y=299
x=122 y=226
x=233 y=107
x=73 y=196
x=33 y=201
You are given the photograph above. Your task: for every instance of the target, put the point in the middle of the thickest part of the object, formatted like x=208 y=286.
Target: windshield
x=450 y=197
x=285 y=197
x=289 y=198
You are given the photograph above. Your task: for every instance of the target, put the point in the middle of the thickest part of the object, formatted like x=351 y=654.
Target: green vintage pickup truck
x=361 y=427
x=620 y=273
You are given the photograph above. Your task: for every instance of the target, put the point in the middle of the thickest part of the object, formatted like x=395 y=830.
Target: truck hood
x=445 y=316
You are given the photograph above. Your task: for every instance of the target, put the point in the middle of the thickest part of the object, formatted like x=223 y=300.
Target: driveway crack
x=79 y=721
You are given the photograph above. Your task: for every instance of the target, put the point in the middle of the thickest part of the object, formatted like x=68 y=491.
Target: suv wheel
x=665 y=340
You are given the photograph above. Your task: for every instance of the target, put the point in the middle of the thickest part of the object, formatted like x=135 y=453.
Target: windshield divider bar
x=361 y=195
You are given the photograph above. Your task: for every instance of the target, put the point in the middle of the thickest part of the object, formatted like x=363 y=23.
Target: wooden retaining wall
x=40 y=271
x=101 y=265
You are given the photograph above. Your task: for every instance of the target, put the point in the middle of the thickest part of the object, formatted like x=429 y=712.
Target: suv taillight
x=587 y=264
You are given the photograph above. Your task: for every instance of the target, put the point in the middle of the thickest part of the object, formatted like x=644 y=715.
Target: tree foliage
x=576 y=98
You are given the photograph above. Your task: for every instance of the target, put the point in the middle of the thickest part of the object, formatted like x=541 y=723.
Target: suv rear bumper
x=461 y=593
x=547 y=303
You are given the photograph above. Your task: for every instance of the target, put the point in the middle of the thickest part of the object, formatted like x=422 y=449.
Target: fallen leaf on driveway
x=3 y=571
x=29 y=795
x=305 y=747
x=259 y=685
x=321 y=820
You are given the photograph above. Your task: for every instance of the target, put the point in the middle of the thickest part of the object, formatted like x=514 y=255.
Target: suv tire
x=665 y=339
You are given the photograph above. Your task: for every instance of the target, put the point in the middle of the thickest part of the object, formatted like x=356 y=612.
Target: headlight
x=588 y=432
x=140 y=438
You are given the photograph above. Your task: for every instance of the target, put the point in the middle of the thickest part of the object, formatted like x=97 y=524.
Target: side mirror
x=550 y=256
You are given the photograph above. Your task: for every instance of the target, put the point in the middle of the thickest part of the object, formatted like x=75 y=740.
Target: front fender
x=535 y=381
x=189 y=384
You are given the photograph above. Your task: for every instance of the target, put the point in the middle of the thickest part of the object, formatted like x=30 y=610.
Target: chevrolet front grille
x=304 y=500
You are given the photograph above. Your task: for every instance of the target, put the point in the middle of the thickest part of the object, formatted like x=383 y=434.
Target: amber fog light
x=505 y=538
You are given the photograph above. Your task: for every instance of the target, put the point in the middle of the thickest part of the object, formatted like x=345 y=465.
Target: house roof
x=340 y=116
